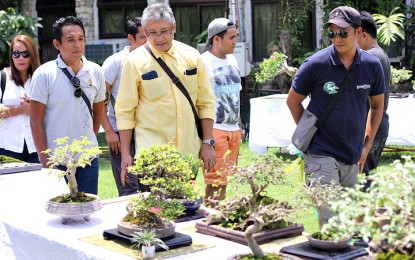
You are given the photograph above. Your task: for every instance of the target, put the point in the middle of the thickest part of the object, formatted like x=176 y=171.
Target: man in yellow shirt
x=153 y=105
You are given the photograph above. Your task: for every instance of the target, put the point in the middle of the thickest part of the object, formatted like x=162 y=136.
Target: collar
x=61 y=64
x=336 y=61
x=171 y=52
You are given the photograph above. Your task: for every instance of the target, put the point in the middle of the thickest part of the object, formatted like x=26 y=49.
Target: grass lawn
x=107 y=188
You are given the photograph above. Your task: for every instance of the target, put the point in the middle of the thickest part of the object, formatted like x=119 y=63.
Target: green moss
x=6 y=159
x=393 y=256
x=144 y=218
x=266 y=257
x=78 y=197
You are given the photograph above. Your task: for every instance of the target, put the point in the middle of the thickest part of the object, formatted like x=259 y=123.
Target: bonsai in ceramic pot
x=391 y=229
x=169 y=173
x=254 y=213
x=147 y=240
x=77 y=154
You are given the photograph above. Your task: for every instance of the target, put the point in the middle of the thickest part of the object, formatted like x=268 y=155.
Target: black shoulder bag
x=84 y=97
x=179 y=84
x=3 y=84
x=309 y=123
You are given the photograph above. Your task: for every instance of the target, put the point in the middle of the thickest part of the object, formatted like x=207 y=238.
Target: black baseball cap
x=344 y=16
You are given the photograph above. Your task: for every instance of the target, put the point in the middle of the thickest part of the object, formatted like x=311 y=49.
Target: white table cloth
x=271 y=123
x=28 y=232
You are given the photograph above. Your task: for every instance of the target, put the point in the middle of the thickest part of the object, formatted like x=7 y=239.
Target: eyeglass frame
x=25 y=54
x=342 y=34
x=154 y=35
x=78 y=90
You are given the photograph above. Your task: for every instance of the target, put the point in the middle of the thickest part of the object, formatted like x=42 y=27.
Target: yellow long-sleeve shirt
x=150 y=103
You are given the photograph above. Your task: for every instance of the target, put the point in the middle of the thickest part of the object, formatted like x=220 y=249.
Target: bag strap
x=84 y=97
x=3 y=84
x=334 y=99
x=175 y=80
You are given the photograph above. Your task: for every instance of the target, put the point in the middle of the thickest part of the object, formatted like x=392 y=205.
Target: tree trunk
x=249 y=236
x=286 y=45
x=73 y=185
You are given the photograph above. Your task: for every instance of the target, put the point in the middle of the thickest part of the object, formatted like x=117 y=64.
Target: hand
x=25 y=107
x=207 y=154
x=126 y=161
x=113 y=141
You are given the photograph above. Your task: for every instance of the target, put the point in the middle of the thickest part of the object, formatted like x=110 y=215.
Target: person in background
x=15 y=134
x=112 y=71
x=340 y=146
x=223 y=71
x=151 y=104
x=67 y=98
x=367 y=41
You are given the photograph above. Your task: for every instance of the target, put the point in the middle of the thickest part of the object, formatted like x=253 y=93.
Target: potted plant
x=392 y=228
x=400 y=80
x=148 y=241
x=169 y=173
x=77 y=154
x=253 y=217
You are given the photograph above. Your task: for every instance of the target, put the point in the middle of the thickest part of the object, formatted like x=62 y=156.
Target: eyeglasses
x=77 y=84
x=154 y=35
x=16 y=54
x=343 y=34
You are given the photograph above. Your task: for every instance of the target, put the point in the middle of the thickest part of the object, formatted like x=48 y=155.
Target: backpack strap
x=3 y=84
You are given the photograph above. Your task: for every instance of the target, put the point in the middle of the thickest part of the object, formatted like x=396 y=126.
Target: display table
x=27 y=231
x=271 y=123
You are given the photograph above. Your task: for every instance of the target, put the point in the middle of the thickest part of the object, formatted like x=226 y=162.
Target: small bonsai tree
x=167 y=171
x=273 y=66
x=392 y=228
x=255 y=211
x=77 y=154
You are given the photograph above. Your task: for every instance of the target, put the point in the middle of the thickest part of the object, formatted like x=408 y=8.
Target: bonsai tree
x=387 y=211
x=273 y=66
x=148 y=241
x=167 y=171
x=254 y=211
x=77 y=154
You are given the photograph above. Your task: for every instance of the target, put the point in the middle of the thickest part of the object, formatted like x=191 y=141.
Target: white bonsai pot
x=148 y=251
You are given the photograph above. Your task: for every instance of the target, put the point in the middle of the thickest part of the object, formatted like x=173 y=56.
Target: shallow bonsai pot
x=192 y=205
x=328 y=245
x=129 y=229
x=74 y=210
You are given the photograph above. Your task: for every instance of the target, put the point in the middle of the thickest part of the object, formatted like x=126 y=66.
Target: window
x=113 y=14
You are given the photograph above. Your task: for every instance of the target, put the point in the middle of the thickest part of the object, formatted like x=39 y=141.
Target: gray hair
x=157 y=12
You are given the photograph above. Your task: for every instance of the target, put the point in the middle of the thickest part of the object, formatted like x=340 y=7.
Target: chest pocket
x=155 y=89
x=190 y=82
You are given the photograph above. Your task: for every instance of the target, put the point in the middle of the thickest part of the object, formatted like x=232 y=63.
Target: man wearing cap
x=339 y=148
x=224 y=75
x=367 y=41
x=153 y=105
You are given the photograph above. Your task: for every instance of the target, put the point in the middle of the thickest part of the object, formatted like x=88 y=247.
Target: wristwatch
x=210 y=142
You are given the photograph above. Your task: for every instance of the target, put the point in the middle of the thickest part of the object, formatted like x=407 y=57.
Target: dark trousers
x=373 y=157
x=24 y=156
x=86 y=178
x=133 y=185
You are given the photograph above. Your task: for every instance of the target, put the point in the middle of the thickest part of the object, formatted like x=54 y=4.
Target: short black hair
x=368 y=24
x=132 y=26
x=64 y=21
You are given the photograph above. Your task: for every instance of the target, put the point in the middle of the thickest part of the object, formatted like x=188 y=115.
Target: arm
x=294 y=104
x=97 y=115
x=37 y=114
x=112 y=138
x=126 y=159
x=373 y=120
x=207 y=152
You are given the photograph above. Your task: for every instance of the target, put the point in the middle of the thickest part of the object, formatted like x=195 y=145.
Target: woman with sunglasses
x=15 y=134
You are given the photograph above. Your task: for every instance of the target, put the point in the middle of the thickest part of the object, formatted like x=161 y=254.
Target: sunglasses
x=343 y=34
x=77 y=84
x=16 y=54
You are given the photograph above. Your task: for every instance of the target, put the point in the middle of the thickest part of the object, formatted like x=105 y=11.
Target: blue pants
x=25 y=156
x=87 y=178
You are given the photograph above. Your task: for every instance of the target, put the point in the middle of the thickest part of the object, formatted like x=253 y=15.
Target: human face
x=160 y=34
x=344 y=45
x=227 y=43
x=21 y=63
x=72 y=43
x=140 y=39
